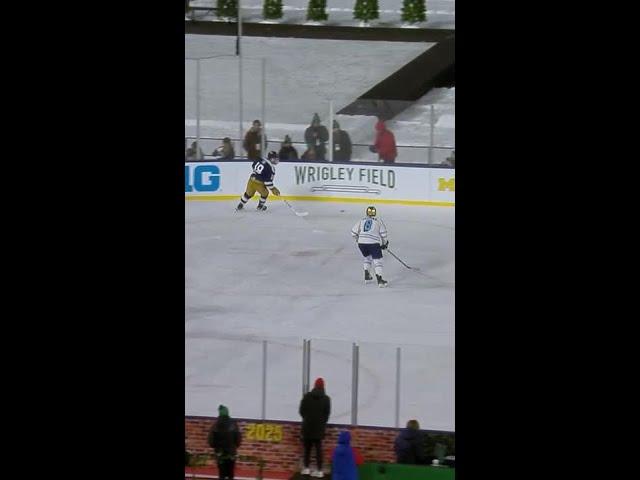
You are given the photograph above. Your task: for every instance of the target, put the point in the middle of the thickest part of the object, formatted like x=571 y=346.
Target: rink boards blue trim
x=207 y=198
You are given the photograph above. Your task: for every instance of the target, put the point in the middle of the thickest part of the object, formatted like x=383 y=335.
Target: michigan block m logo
x=444 y=184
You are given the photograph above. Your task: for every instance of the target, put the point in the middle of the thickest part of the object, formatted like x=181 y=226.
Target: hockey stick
x=394 y=256
x=299 y=214
x=420 y=272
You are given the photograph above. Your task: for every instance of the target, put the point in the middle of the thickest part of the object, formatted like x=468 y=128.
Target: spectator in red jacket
x=385 y=144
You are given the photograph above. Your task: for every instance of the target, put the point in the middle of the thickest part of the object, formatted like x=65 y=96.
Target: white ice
x=274 y=276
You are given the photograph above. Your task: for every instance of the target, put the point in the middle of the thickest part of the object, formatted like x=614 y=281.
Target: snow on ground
x=303 y=75
x=411 y=127
x=252 y=276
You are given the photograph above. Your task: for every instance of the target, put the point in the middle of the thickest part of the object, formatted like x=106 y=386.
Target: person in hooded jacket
x=409 y=445
x=341 y=144
x=315 y=408
x=344 y=460
x=287 y=151
x=225 y=438
x=385 y=143
x=194 y=153
x=316 y=136
x=225 y=151
x=253 y=141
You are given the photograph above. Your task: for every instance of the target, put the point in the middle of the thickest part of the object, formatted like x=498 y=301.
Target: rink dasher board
x=326 y=182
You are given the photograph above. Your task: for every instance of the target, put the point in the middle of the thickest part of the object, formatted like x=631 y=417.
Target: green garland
x=414 y=11
x=366 y=10
x=227 y=8
x=317 y=10
x=272 y=9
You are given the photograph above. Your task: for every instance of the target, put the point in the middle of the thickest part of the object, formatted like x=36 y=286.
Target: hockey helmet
x=272 y=156
x=371 y=211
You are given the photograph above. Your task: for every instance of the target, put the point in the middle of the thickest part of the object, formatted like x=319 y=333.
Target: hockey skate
x=261 y=208
x=239 y=207
x=367 y=277
x=381 y=282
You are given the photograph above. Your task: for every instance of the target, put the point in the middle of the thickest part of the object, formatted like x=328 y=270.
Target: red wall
x=375 y=443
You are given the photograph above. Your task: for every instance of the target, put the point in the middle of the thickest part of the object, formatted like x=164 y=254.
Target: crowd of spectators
x=315 y=409
x=316 y=137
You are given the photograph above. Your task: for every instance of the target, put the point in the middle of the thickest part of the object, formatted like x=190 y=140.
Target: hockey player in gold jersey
x=261 y=181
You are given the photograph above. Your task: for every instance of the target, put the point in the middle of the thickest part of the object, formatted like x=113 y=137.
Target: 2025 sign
x=263 y=432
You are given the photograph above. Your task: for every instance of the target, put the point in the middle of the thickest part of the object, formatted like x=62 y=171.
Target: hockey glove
x=275 y=191
x=384 y=245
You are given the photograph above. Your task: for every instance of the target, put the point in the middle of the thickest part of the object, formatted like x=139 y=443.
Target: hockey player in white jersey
x=371 y=235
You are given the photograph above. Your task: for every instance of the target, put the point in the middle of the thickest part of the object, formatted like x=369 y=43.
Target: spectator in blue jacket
x=343 y=462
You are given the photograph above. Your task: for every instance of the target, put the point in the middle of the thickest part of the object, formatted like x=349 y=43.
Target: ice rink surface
x=274 y=276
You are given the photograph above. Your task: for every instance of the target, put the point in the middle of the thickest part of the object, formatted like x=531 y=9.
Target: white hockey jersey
x=370 y=230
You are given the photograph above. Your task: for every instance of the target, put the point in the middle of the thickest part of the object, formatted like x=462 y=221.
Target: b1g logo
x=202 y=178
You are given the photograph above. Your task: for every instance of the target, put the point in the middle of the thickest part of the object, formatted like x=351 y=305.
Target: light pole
x=239 y=54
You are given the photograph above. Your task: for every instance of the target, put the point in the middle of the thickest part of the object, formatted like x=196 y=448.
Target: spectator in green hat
x=225 y=438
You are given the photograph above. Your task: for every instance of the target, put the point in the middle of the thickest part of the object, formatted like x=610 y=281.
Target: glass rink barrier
x=226 y=94
x=369 y=383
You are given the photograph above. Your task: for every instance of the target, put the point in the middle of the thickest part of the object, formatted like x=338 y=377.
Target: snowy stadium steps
x=434 y=68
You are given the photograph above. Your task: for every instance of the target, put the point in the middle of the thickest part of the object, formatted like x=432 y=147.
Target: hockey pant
x=372 y=253
x=377 y=264
x=254 y=186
